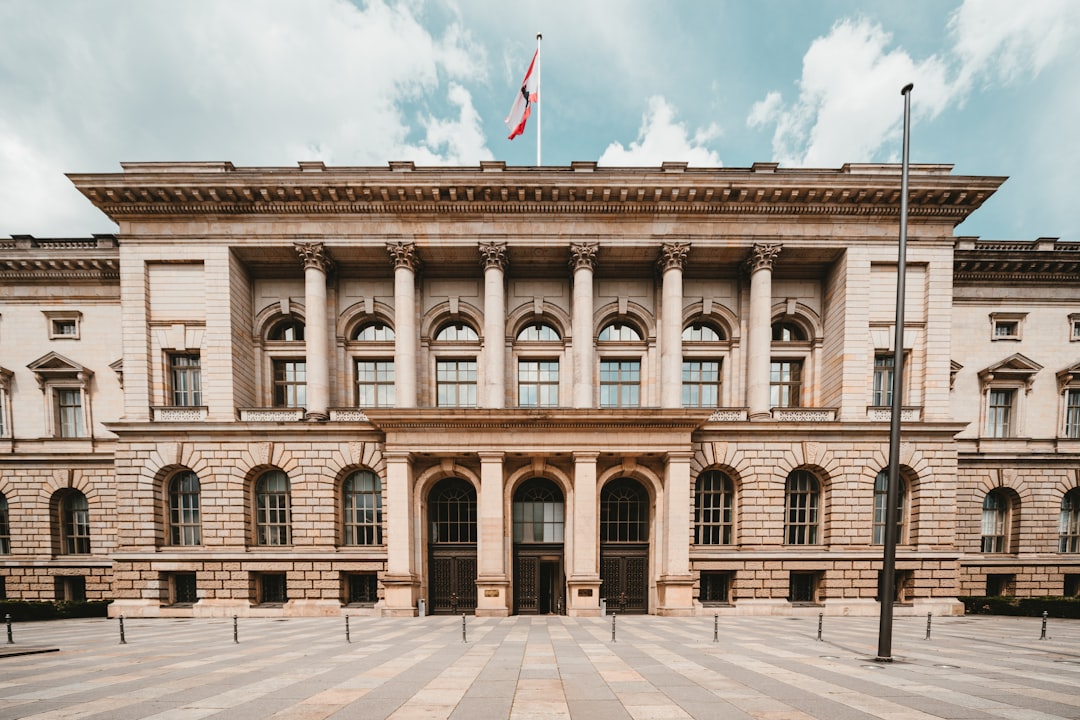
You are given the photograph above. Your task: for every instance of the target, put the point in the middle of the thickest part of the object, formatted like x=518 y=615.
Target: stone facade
x=516 y=390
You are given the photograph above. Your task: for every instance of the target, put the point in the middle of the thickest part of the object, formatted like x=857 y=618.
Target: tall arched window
x=624 y=512
x=803 y=501
x=185 y=519
x=881 y=488
x=995 y=522
x=713 y=502
x=74 y=523
x=362 y=503
x=1069 y=527
x=539 y=512
x=5 y=526
x=273 y=516
x=453 y=512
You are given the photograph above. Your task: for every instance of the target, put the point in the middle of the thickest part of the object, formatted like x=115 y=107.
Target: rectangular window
x=272 y=588
x=455 y=383
x=184 y=589
x=290 y=383
x=802 y=587
x=701 y=383
x=1006 y=329
x=185 y=378
x=785 y=383
x=620 y=383
x=374 y=383
x=65 y=328
x=1000 y=585
x=362 y=589
x=1072 y=414
x=999 y=415
x=1076 y=329
x=69 y=412
x=69 y=588
x=538 y=383
x=883 y=380
x=715 y=588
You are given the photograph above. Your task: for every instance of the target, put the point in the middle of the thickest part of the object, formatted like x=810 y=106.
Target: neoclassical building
x=506 y=390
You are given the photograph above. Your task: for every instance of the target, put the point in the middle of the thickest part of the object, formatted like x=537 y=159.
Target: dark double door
x=453 y=580
x=539 y=582
x=624 y=577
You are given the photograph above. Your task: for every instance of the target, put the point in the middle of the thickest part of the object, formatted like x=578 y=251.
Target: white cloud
x=660 y=138
x=256 y=82
x=849 y=103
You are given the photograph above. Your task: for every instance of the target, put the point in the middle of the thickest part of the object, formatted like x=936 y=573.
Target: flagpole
x=539 y=103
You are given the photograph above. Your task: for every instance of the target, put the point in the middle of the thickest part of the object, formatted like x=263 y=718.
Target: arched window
x=374 y=332
x=185 y=520
x=538 y=332
x=783 y=331
x=286 y=330
x=881 y=492
x=619 y=332
x=624 y=512
x=362 y=503
x=273 y=521
x=803 y=500
x=456 y=331
x=539 y=512
x=702 y=332
x=74 y=523
x=995 y=522
x=5 y=526
x=1069 y=527
x=713 y=502
x=453 y=512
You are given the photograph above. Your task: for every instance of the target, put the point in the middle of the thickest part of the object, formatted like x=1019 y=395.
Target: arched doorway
x=539 y=516
x=452 y=547
x=624 y=546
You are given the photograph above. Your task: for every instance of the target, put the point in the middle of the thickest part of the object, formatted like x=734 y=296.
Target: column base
x=400 y=595
x=492 y=596
x=674 y=595
x=316 y=416
x=583 y=596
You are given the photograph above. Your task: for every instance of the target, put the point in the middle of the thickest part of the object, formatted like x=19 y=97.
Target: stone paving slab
x=539 y=668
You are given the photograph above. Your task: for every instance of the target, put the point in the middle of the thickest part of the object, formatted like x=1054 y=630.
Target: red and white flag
x=522 y=108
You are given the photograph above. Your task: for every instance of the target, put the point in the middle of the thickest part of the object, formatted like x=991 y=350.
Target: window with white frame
x=1069 y=387
x=995 y=522
x=1000 y=408
x=881 y=496
x=704 y=347
x=290 y=382
x=1006 y=326
x=273 y=509
x=65 y=384
x=1074 y=327
x=714 y=504
x=884 y=373
x=373 y=345
x=1005 y=386
x=1069 y=522
x=791 y=349
x=456 y=345
x=285 y=352
x=361 y=499
x=537 y=348
x=621 y=346
x=785 y=383
x=64 y=324
x=72 y=522
x=185 y=520
x=802 y=508
x=185 y=379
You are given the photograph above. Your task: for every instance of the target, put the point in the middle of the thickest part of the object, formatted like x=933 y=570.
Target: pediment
x=1016 y=367
x=54 y=364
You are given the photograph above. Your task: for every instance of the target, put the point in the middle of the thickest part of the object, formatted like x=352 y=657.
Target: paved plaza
x=541 y=667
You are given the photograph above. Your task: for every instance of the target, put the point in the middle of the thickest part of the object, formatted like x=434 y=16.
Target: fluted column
x=672 y=259
x=400 y=580
x=493 y=259
x=316 y=335
x=582 y=261
x=759 y=332
x=406 y=262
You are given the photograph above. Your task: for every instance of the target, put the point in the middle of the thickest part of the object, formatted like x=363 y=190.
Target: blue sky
x=87 y=84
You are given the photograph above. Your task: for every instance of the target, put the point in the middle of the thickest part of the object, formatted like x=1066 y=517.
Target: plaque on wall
x=584 y=592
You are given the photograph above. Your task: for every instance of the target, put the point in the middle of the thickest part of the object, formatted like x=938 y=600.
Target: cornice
x=51 y=269
x=1037 y=262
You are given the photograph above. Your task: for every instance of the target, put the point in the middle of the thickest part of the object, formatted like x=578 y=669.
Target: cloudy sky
x=85 y=84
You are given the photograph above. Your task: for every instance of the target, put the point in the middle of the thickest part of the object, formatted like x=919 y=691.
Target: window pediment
x=1065 y=378
x=54 y=366
x=1016 y=368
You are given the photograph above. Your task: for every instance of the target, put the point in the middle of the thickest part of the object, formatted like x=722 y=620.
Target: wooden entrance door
x=624 y=579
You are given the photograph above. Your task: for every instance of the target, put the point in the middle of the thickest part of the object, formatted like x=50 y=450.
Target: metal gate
x=453 y=581
x=539 y=585
x=624 y=579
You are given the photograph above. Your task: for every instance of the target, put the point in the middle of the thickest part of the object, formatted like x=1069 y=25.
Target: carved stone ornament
x=673 y=255
x=762 y=257
x=403 y=254
x=583 y=255
x=493 y=255
x=314 y=255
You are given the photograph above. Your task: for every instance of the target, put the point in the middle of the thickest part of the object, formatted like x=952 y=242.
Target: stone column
x=406 y=263
x=675 y=585
x=759 y=332
x=583 y=578
x=582 y=261
x=316 y=334
x=672 y=258
x=400 y=581
x=493 y=259
x=491 y=582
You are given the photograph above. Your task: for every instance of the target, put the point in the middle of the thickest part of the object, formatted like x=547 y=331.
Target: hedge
x=1058 y=607
x=27 y=610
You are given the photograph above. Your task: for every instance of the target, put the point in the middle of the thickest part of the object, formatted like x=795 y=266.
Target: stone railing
x=884 y=414
x=347 y=415
x=172 y=413
x=804 y=414
x=271 y=414
x=728 y=415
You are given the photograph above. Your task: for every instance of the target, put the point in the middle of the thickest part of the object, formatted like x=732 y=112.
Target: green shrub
x=28 y=610
x=1057 y=607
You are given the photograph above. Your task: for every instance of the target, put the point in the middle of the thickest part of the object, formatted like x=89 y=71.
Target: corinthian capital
x=314 y=255
x=762 y=257
x=403 y=254
x=493 y=255
x=673 y=255
x=583 y=255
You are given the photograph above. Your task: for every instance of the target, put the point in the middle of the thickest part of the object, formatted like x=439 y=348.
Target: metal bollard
x=347 y=638
x=235 y=632
x=819 y=617
x=716 y=628
x=122 y=640
x=463 y=637
x=1043 y=636
x=7 y=619
x=613 y=627
x=929 y=617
